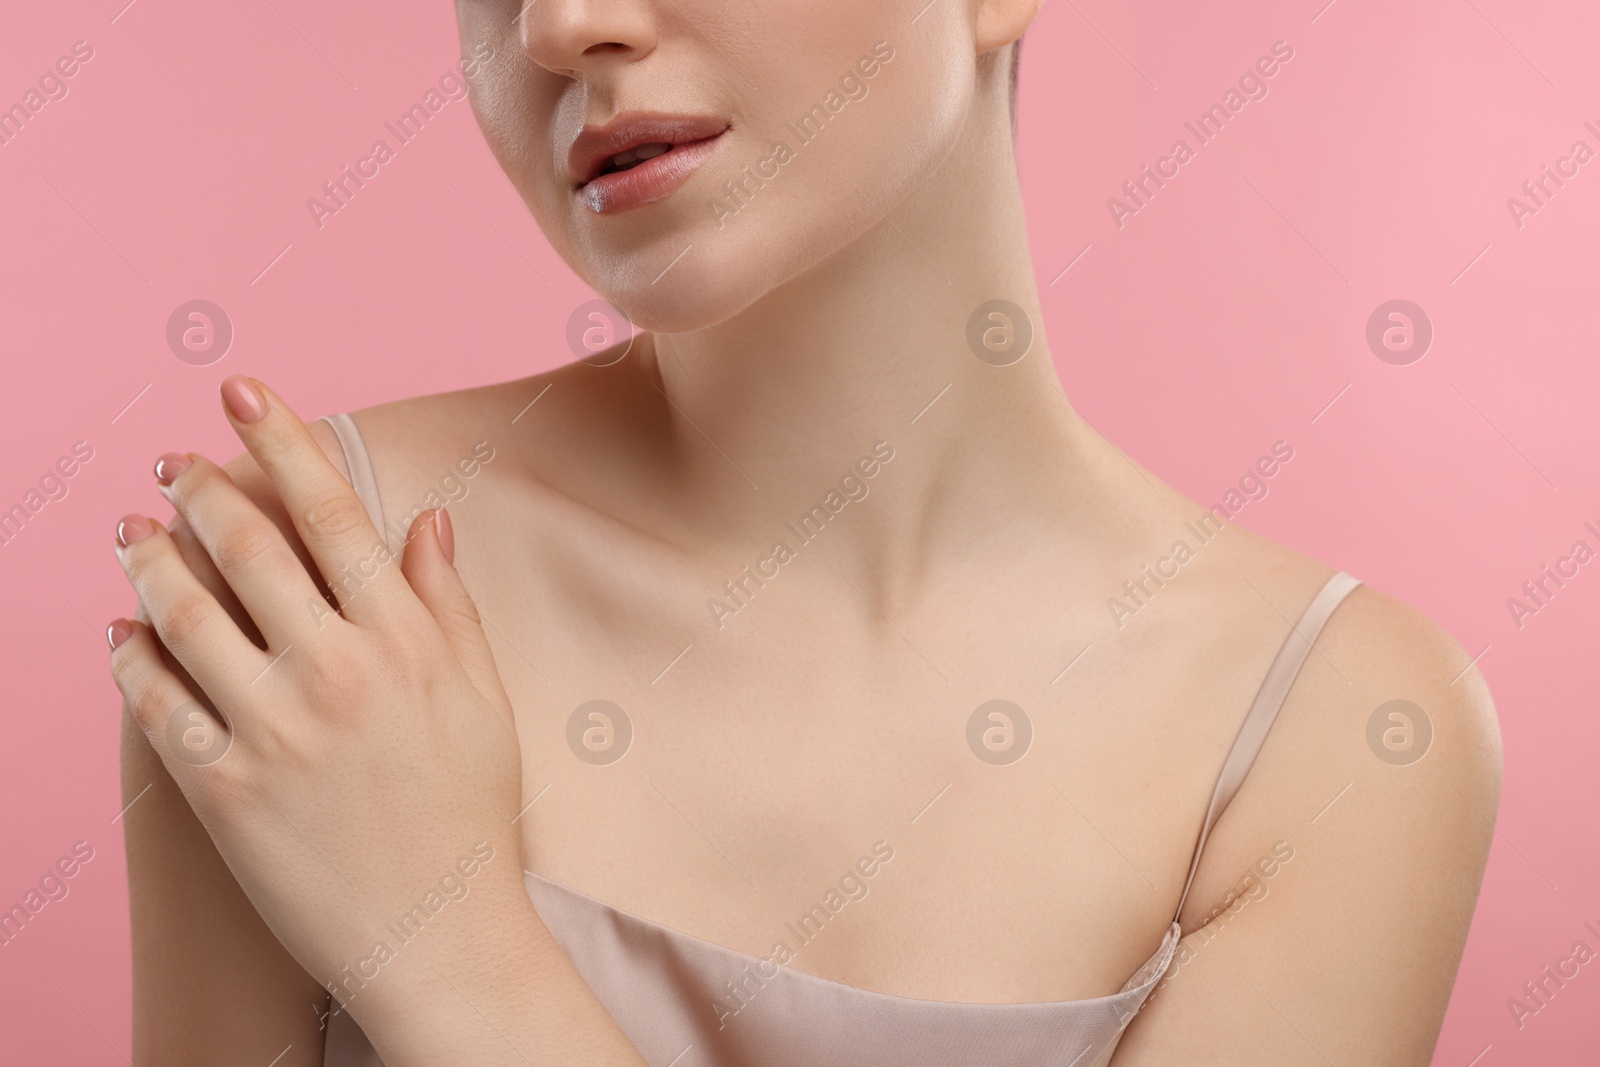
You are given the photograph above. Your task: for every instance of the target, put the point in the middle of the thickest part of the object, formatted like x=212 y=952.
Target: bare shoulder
x=1396 y=707
x=1397 y=701
x=417 y=434
x=1387 y=732
x=1384 y=689
x=563 y=410
x=1393 y=647
x=528 y=457
x=1341 y=882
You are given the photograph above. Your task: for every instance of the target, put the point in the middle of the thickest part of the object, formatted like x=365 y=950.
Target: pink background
x=1225 y=315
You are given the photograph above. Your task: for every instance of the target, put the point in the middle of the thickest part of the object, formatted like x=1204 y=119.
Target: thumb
x=428 y=563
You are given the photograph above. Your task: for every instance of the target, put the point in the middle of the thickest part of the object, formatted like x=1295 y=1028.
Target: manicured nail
x=119 y=631
x=169 y=466
x=244 y=401
x=447 y=534
x=133 y=528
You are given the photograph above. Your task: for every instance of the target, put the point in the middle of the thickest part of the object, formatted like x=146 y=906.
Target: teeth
x=639 y=154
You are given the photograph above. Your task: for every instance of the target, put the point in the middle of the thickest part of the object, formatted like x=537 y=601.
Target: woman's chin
x=684 y=304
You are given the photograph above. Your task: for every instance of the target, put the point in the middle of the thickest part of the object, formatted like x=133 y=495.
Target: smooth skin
x=829 y=712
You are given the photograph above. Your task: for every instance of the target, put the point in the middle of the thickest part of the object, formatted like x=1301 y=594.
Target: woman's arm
x=211 y=984
x=494 y=988
x=344 y=760
x=1346 y=952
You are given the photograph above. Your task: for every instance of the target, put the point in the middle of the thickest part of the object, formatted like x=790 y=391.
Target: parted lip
x=594 y=145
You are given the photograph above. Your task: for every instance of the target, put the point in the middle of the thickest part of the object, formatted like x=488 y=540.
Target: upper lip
x=594 y=145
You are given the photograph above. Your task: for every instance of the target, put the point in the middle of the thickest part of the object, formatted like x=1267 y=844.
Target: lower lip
x=654 y=179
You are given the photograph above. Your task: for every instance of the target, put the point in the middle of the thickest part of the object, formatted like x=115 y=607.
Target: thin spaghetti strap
x=1274 y=690
x=360 y=464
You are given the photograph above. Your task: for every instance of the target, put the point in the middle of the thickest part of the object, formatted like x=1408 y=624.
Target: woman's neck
x=872 y=345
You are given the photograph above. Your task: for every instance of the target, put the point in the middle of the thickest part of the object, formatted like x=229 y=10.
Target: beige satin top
x=668 y=991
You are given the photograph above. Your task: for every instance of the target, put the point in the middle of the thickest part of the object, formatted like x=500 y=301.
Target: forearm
x=210 y=982
x=497 y=992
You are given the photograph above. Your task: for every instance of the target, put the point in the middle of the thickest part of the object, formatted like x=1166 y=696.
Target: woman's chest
x=937 y=810
x=964 y=780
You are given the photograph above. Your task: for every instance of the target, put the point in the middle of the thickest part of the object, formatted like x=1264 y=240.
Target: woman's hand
x=360 y=775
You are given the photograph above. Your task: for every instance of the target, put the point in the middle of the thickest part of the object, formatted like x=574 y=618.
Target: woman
x=803 y=682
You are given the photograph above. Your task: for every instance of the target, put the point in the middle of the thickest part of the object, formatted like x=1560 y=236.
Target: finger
x=248 y=550
x=199 y=563
x=428 y=564
x=194 y=627
x=182 y=730
x=247 y=475
x=326 y=511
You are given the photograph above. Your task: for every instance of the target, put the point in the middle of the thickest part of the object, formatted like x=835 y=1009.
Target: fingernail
x=119 y=631
x=244 y=401
x=133 y=528
x=169 y=466
x=447 y=534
